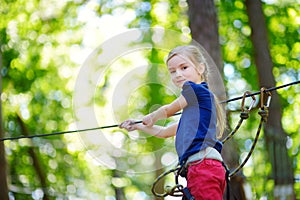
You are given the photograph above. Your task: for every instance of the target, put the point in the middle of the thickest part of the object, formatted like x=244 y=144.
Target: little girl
x=202 y=120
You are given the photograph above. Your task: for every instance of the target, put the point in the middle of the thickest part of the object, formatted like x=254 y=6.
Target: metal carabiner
x=262 y=102
x=251 y=104
x=264 y=106
x=245 y=113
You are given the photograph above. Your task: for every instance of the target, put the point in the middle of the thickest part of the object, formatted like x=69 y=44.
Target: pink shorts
x=206 y=180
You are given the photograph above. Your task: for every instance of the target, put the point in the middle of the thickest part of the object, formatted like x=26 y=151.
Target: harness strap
x=227 y=177
x=187 y=195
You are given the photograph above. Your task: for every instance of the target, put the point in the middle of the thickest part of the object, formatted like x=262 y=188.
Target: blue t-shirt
x=197 y=126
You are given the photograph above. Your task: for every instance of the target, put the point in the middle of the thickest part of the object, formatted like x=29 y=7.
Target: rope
x=264 y=113
x=250 y=152
x=66 y=132
x=244 y=115
x=168 y=191
x=56 y=133
x=116 y=125
x=257 y=93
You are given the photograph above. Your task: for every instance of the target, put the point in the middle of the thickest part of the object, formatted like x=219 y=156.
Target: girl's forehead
x=178 y=60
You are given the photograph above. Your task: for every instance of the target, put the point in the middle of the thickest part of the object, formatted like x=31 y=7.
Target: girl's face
x=182 y=69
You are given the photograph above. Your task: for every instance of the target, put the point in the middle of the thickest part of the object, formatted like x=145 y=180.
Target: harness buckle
x=182 y=171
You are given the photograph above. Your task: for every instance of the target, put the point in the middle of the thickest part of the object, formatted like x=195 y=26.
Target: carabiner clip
x=251 y=104
x=269 y=95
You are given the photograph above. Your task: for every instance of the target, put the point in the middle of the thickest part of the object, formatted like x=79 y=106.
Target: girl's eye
x=172 y=72
x=184 y=67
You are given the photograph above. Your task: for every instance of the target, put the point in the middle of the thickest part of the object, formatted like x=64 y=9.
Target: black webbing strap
x=186 y=194
x=227 y=181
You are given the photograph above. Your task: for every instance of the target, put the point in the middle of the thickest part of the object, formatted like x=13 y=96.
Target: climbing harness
x=180 y=190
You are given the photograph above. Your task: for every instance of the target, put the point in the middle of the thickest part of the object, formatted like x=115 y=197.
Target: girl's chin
x=180 y=85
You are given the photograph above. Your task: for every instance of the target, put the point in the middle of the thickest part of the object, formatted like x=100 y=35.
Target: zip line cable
x=117 y=125
x=257 y=93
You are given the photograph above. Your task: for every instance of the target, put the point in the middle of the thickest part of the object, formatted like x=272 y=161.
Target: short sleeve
x=189 y=93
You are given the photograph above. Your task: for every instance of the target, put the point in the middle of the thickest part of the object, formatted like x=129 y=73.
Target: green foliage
x=35 y=38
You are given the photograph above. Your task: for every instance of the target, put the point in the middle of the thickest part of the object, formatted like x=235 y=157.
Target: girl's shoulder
x=195 y=86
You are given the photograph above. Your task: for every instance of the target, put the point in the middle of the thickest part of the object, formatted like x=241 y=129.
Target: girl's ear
x=201 y=68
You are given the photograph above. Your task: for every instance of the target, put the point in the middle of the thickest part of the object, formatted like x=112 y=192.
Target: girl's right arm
x=150 y=119
x=155 y=130
x=165 y=111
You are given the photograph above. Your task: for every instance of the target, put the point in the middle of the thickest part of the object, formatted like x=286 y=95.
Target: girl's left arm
x=165 y=111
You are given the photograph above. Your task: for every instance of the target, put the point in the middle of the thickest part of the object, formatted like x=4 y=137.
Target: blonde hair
x=194 y=54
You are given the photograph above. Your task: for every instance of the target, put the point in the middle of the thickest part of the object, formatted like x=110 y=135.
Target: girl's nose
x=178 y=73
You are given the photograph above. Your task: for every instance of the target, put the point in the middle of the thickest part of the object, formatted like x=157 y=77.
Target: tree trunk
x=204 y=29
x=119 y=192
x=3 y=173
x=159 y=170
x=36 y=163
x=275 y=137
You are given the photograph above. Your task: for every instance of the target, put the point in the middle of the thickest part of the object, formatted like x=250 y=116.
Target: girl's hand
x=148 y=120
x=129 y=125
